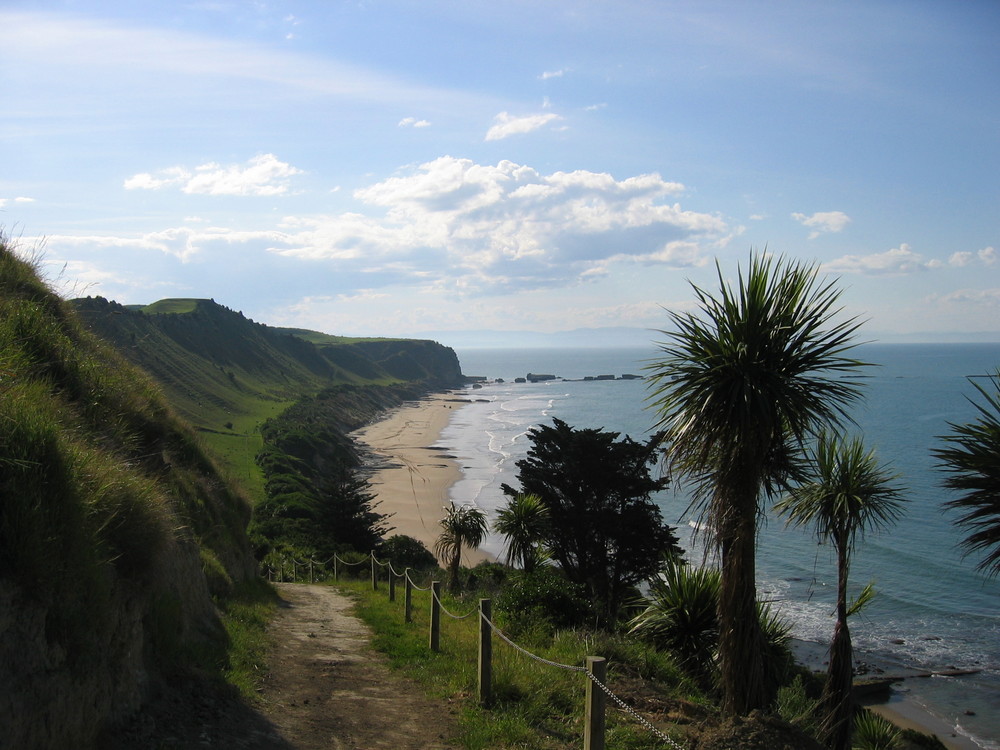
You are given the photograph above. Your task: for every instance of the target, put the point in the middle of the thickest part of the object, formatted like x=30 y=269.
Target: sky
x=429 y=168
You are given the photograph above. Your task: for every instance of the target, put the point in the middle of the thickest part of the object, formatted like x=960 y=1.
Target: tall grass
x=98 y=479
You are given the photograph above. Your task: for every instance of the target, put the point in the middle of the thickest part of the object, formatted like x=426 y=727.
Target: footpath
x=326 y=689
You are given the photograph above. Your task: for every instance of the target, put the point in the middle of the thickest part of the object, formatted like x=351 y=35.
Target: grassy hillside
x=228 y=375
x=115 y=526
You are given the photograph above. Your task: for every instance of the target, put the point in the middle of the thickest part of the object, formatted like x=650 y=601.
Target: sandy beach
x=411 y=477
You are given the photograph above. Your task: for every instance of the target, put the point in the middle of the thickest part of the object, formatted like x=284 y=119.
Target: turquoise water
x=932 y=611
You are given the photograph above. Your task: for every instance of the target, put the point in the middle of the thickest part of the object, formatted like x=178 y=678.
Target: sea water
x=932 y=611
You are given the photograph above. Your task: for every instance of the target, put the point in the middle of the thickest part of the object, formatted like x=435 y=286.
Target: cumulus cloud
x=261 y=176
x=987 y=256
x=899 y=260
x=506 y=124
x=823 y=221
x=474 y=227
x=413 y=122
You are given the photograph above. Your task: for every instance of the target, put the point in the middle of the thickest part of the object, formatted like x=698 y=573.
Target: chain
x=527 y=653
x=632 y=712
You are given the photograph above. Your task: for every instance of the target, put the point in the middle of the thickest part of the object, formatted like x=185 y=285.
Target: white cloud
x=182 y=243
x=413 y=122
x=972 y=297
x=22 y=199
x=473 y=227
x=553 y=74
x=261 y=176
x=823 y=221
x=506 y=125
x=987 y=256
x=900 y=260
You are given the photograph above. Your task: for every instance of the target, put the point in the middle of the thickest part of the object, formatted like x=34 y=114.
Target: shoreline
x=897 y=707
x=410 y=476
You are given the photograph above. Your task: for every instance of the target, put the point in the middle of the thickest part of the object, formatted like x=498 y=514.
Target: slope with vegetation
x=116 y=528
x=275 y=406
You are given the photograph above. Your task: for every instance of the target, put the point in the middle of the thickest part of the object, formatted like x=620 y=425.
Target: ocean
x=932 y=611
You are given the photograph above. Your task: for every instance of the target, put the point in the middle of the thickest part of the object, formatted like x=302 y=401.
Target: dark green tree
x=603 y=529
x=463 y=526
x=971 y=457
x=845 y=494
x=740 y=385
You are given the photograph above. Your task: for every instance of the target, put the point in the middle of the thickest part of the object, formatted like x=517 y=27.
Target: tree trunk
x=741 y=643
x=837 y=703
x=453 y=564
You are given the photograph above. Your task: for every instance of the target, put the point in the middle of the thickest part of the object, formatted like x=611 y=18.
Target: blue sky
x=420 y=168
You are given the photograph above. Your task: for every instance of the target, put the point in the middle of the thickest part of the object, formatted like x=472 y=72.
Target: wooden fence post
x=593 y=733
x=374 y=575
x=485 y=652
x=311 y=571
x=392 y=585
x=435 y=636
x=407 y=598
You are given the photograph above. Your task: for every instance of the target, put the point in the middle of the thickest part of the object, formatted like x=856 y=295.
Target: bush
x=488 y=578
x=542 y=598
x=406 y=552
x=872 y=732
x=794 y=705
x=681 y=616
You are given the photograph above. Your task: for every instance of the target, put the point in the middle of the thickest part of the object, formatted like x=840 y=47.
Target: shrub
x=543 y=597
x=406 y=552
x=872 y=732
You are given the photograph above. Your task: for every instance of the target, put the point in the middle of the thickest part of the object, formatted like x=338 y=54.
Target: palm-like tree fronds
x=740 y=385
x=523 y=523
x=845 y=494
x=972 y=459
x=681 y=615
x=463 y=526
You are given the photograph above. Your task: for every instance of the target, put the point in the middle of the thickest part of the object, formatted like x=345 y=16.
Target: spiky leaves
x=523 y=524
x=844 y=494
x=739 y=385
x=971 y=457
x=463 y=526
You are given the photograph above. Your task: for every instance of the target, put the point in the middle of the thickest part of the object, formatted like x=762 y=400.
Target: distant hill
x=227 y=374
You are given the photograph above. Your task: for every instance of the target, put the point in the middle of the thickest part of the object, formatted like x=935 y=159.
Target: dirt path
x=328 y=689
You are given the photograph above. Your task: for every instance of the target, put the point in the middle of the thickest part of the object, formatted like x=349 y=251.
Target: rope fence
x=596 y=667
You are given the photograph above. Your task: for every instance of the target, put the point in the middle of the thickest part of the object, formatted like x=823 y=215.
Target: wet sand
x=410 y=477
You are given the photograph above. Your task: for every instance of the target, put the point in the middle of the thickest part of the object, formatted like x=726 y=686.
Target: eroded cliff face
x=59 y=689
